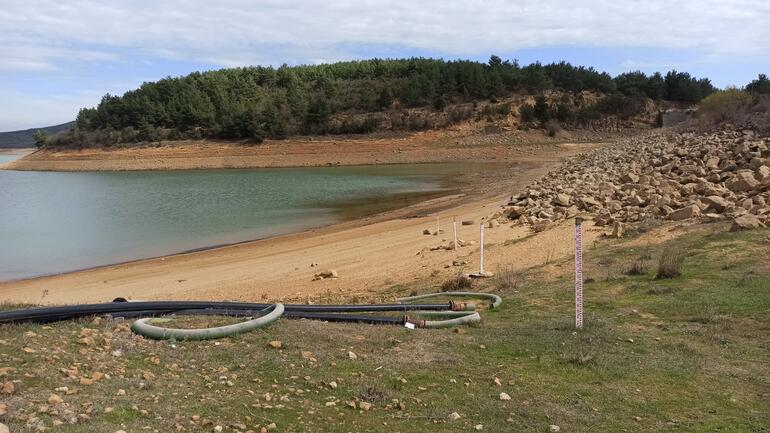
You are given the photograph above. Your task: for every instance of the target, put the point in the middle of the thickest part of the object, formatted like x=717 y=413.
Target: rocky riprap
x=661 y=175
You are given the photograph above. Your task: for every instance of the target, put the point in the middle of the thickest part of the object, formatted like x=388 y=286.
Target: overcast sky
x=58 y=56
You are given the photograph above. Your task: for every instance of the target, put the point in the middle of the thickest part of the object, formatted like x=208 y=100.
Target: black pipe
x=53 y=314
x=347 y=318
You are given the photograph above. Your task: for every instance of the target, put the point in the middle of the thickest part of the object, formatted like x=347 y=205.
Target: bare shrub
x=506 y=278
x=460 y=282
x=639 y=267
x=670 y=263
x=552 y=127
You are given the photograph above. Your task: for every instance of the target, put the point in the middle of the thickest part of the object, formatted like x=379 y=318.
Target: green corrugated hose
x=496 y=300
x=144 y=328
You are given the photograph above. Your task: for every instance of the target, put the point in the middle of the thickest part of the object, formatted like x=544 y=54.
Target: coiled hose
x=144 y=328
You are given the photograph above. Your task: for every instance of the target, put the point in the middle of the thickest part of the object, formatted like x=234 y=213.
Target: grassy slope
x=690 y=354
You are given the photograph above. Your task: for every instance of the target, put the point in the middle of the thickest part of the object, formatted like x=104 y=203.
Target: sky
x=59 y=56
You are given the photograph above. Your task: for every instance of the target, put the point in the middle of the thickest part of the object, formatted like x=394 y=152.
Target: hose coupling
x=462 y=305
x=418 y=323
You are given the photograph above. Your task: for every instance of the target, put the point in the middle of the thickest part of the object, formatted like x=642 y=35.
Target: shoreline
x=416 y=148
x=340 y=225
x=370 y=253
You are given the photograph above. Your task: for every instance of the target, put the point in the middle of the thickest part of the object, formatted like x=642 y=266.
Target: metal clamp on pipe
x=462 y=306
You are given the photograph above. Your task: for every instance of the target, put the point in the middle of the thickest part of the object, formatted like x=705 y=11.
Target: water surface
x=53 y=222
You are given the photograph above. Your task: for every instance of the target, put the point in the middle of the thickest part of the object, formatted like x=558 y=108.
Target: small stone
x=333 y=385
x=121 y=392
x=4 y=428
x=479 y=427
x=218 y=429
x=352 y=355
x=454 y=416
x=363 y=405
x=553 y=428
x=55 y=399
x=120 y=431
x=271 y=426
x=497 y=382
x=8 y=388
x=617 y=229
x=504 y=396
x=275 y=344
x=3 y=409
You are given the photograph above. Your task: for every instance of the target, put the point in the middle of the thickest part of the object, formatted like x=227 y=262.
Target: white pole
x=481 y=251
x=578 y=274
x=454 y=228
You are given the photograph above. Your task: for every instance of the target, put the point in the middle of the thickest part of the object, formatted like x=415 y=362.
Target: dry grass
x=639 y=267
x=458 y=283
x=507 y=278
x=670 y=263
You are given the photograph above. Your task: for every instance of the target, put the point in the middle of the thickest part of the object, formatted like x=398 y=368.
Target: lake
x=53 y=222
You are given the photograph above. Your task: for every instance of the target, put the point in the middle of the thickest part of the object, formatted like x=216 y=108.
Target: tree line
x=259 y=102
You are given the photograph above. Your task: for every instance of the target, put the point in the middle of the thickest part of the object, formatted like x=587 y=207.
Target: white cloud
x=235 y=31
x=52 y=36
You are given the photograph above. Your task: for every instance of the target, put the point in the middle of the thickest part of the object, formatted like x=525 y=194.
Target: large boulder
x=743 y=181
x=716 y=203
x=746 y=222
x=562 y=200
x=687 y=212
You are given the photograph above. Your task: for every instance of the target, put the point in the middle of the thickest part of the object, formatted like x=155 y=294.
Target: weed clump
x=458 y=283
x=506 y=278
x=670 y=264
x=638 y=268
x=552 y=127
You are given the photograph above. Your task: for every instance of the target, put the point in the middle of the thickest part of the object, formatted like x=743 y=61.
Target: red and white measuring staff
x=578 y=273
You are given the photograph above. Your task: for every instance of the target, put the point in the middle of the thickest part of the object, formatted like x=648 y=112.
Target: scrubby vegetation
x=749 y=107
x=254 y=103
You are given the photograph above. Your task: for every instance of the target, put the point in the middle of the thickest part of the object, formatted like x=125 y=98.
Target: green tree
x=759 y=86
x=541 y=110
x=41 y=138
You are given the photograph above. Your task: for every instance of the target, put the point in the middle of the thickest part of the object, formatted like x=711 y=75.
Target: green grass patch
x=686 y=354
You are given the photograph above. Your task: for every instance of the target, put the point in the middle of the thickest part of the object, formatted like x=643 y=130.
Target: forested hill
x=26 y=137
x=260 y=102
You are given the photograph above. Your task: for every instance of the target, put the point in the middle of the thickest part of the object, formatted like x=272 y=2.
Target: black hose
x=346 y=318
x=53 y=314
x=328 y=317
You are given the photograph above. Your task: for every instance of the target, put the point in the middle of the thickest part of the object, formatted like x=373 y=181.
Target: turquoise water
x=53 y=222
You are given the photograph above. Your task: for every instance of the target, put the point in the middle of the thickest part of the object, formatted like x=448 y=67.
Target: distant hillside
x=359 y=97
x=19 y=139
